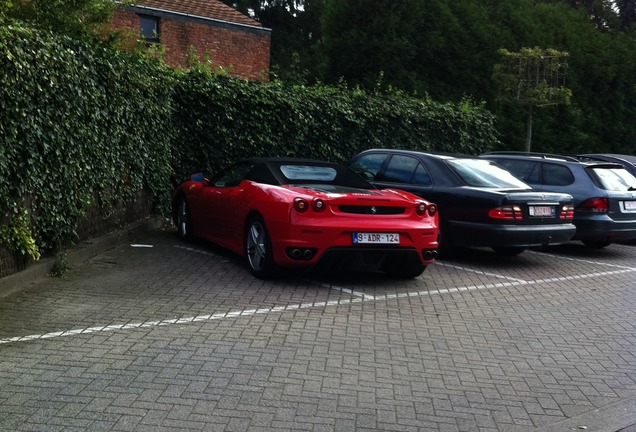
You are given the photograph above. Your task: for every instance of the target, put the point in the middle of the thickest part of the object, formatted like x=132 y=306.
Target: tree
x=366 y=39
x=626 y=13
x=295 y=31
x=79 y=19
x=601 y=12
x=295 y=28
x=532 y=77
x=441 y=48
x=246 y=7
x=446 y=49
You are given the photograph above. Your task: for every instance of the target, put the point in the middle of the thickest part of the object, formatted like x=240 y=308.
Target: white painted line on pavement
x=343 y=290
x=195 y=250
x=581 y=260
x=585 y=276
x=479 y=272
x=277 y=309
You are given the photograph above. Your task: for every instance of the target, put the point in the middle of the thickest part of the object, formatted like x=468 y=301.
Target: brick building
x=231 y=40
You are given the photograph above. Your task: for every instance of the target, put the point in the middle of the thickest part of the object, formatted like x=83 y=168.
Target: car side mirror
x=198 y=178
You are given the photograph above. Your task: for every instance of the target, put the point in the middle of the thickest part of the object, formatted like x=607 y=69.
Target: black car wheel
x=445 y=248
x=597 y=244
x=508 y=251
x=184 y=221
x=258 y=248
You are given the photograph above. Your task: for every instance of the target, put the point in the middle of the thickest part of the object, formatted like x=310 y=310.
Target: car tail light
x=432 y=209
x=318 y=205
x=422 y=208
x=567 y=212
x=506 y=213
x=595 y=205
x=301 y=205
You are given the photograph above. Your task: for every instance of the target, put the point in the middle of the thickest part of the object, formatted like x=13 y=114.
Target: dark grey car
x=604 y=192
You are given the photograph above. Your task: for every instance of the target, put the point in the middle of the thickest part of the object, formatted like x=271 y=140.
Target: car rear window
x=483 y=173
x=614 y=179
x=528 y=171
x=309 y=173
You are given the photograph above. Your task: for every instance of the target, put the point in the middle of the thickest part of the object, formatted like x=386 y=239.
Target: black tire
x=407 y=272
x=258 y=248
x=508 y=251
x=445 y=248
x=184 y=221
x=597 y=244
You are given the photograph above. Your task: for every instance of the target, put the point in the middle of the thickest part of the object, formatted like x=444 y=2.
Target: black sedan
x=480 y=203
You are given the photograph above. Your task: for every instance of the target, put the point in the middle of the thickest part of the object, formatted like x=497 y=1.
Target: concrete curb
x=611 y=418
x=618 y=416
x=79 y=254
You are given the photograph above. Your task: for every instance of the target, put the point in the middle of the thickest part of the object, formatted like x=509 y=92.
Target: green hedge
x=85 y=126
x=221 y=119
x=79 y=124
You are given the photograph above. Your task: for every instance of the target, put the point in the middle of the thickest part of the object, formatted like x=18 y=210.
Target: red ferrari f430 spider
x=301 y=213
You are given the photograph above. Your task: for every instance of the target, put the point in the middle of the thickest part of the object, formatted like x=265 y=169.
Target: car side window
x=422 y=176
x=557 y=175
x=232 y=176
x=400 y=169
x=261 y=174
x=528 y=171
x=369 y=165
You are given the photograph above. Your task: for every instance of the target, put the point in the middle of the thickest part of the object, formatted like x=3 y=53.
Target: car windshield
x=486 y=174
x=615 y=179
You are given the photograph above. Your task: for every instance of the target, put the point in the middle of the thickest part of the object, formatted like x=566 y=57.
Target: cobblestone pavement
x=181 y=337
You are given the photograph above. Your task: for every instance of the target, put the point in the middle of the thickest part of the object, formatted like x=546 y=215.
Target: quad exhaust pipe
x=301 y=254
x=430 y=254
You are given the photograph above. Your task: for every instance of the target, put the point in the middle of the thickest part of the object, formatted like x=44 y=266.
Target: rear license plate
x=629 y=205
x=541 y=211
x=376 y=238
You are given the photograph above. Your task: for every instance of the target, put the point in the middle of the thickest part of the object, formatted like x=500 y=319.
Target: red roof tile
x=201 y=8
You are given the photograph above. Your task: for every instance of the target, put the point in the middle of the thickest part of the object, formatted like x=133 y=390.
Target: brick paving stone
x=474 y=344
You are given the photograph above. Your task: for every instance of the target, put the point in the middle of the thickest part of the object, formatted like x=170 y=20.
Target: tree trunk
x=529 y=129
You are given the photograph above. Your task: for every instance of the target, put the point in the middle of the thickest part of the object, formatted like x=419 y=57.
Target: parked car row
x=393 y=210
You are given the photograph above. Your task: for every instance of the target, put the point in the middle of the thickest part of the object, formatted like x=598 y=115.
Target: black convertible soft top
x=268 y=170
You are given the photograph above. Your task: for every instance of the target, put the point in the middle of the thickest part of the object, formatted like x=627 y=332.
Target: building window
x=149 y=27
